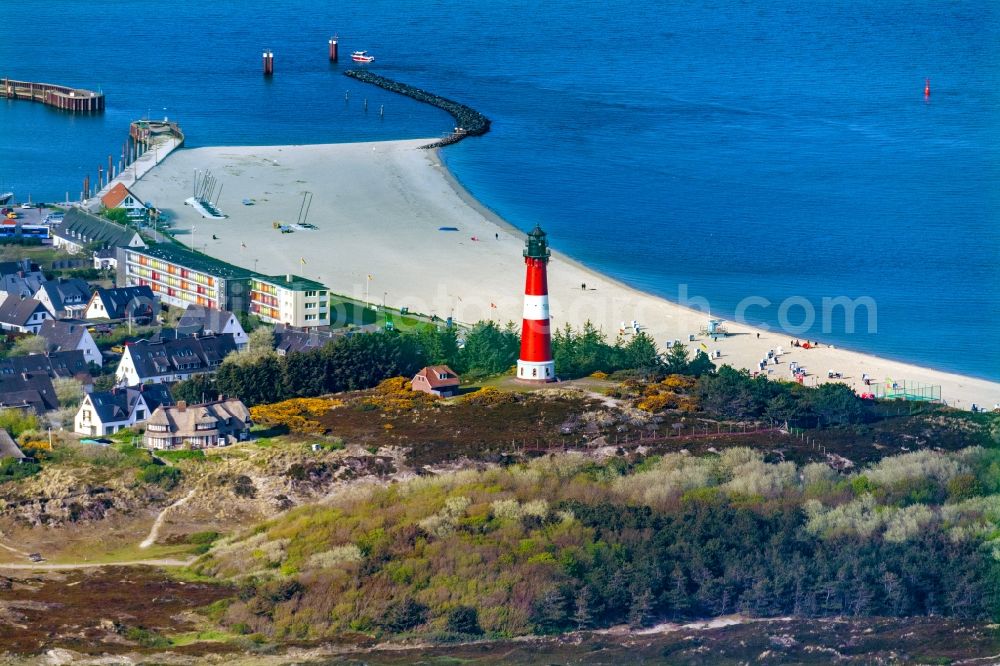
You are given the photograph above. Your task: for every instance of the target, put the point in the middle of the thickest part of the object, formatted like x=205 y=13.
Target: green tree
x=16 y=421
x=489 y=349
x=641 y=352
x=730 y=393
x=260 y=344
x=440 y=345
x=578 y=354
x=30 y=344
x=835 y=404
x=119 y=215
x=641 y=610
x=549 y=613
x=464 y=620
x=582 y=615
x=362 y=361
x=254 y=383
x=69 y=391
x=303 y=374
x=403 y=615
x=784 y=407
x=675 y=362
x=593 y=353
x=195 y=390
x=677 y=595
x=700 y=365
x=249 y=322
x=104 y=382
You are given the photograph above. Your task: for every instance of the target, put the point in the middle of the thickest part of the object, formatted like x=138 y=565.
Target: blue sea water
x=722 y=149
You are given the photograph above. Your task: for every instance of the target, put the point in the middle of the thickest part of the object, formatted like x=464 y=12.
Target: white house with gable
x=107 y=412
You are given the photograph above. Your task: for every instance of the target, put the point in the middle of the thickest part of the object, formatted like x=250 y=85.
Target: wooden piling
x=60 y=97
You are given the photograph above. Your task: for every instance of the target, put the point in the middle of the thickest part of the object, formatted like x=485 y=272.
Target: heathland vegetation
x=658 y=488
x=567 y=542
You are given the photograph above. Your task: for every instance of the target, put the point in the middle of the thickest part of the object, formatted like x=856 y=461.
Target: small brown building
x=197 y=426
x=437 y=380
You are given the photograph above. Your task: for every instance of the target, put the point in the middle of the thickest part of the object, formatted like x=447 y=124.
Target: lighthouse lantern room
x=535 y=363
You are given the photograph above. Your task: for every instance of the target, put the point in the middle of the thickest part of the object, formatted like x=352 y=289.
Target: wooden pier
x=149 y=142
x=61 y=97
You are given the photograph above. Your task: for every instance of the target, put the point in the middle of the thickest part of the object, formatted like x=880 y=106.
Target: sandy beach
x=379 y=208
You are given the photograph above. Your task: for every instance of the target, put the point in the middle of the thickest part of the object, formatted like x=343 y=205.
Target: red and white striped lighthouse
x=535 y=363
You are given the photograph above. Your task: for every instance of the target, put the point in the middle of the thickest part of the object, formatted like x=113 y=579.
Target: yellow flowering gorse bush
x=297 y=414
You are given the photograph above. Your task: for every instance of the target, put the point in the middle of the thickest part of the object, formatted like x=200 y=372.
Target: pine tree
x=677 y=596
x=550 y=612
x=641 y=610
x=582 y=616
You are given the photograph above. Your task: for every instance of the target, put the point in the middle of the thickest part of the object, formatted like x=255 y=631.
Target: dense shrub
x=12 y=470
x=403 y=615
x=464 y=620
x=16 y=421
x=161 y=475
x=297 y=414
x=734 y=394
x=243 y=487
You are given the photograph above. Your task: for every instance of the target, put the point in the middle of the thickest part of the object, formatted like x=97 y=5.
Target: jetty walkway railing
x=150 y=142
x=468 y=121
x=61 y=97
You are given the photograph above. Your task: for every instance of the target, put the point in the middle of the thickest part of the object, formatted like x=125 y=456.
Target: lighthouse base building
x=535 y=363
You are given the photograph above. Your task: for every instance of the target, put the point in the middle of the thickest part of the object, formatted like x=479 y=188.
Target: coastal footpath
x=468 y=121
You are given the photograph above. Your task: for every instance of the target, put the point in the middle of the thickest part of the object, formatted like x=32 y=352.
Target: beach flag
x=493 y=305
x=370 y=277
x=704 y=346
x=303 y=260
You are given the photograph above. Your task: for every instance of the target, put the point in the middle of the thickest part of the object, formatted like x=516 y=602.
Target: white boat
x=362 y=56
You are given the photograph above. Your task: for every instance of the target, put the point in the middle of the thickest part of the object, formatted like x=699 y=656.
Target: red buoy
x=927 y=87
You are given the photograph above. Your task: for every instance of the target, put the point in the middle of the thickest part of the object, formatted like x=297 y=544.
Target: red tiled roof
x=432 y=374
x=116 y=195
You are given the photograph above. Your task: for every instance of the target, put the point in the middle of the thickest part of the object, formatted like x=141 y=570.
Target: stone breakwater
x=468 y=121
